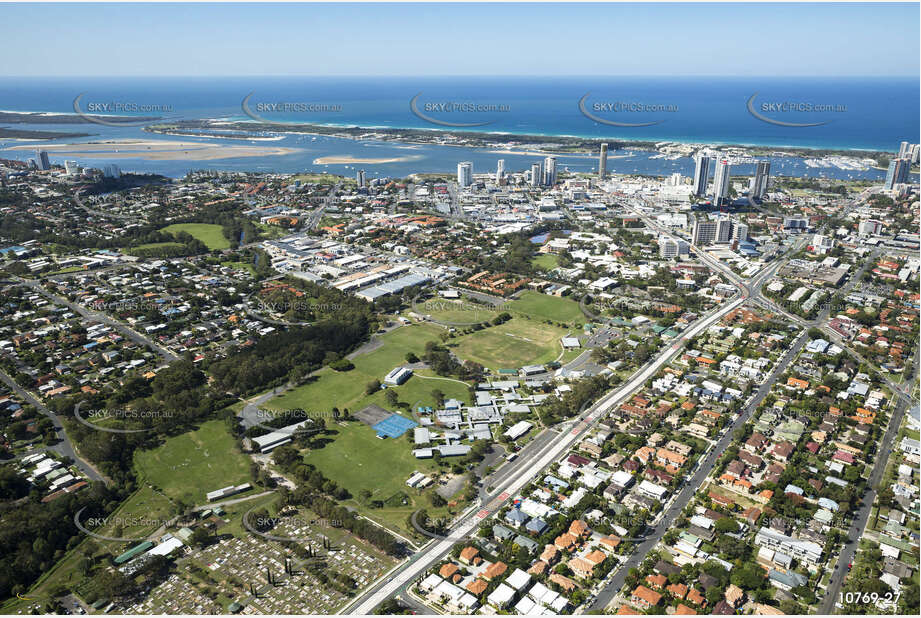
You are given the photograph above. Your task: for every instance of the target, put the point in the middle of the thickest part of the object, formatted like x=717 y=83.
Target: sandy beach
x=349 y=159
x=159 y=150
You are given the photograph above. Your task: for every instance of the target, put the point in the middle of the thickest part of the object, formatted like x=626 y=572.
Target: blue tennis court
x=393 y=426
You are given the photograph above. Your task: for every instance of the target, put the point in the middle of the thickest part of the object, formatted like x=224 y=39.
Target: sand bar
x=159 y=150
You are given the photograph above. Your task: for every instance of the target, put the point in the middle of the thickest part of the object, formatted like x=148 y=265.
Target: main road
x=518 y=476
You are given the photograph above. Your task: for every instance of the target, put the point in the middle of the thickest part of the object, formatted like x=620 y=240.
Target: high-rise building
x=111 y=171
x=41 y=160
x=897 y=173
x=721 y=182
x=537 y=174
x=701 y=174
x=603 y=162
x=915 y=153
x=550 y=171
x=71 y=168
x=904 y=150
x=760 y=180
x=500 y=170
x=712 y=232
x=465 y=173
x=739 y=232
x=361 y=178
x=672 y=247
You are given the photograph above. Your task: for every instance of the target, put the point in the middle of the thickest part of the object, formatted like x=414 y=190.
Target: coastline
x=531 y=143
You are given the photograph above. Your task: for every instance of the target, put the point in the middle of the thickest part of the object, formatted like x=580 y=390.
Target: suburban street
x=704 y=469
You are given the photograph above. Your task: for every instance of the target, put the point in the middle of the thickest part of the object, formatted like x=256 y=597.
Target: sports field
x=188 y=466
x=347 y=389
x=544 y=307
x=209 y=233
x=458 y=312
x=545 y=261
x=515 y=343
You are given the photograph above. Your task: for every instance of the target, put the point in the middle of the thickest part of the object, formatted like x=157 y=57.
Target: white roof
x=518 y=579
x=501 y=595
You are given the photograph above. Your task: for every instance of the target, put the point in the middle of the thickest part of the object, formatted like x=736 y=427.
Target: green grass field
x=513 y=344
x=458 y=312
x=545 y=261
x=188 y=466
x=358 y=460
x=209 y=233
x=347 y=389
x=543 y=307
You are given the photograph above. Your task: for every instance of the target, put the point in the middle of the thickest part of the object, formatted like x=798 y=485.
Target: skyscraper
x=41 y=160
x=603 y=162
x=362 y=180
x=701 y=174
x=721 y=182
x=465 y=173
x=536 y=175
x=897 y=173
x=713 y=232
x=904 y=150
x=550 y=171
x=760 y=180
x=500 y=170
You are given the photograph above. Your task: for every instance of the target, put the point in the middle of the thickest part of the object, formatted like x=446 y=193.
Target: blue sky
x=460 y=39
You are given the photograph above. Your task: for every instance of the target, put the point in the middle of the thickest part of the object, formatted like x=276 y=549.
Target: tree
x=392 y=397
x=372 y=387
x=439 y=398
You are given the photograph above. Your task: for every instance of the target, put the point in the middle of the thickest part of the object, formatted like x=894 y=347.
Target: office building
x=603 y=162
x=759 y=184
x=795 y=223
x=672 y=247
x=897 y=173
x=71 y=168
x=701 y=174
x=536 y=174
x=712 y=232
x=362 y=179
x=465 y=173
x=41 y=160
x=721 y=182
x=500 y=170
x=822 y=244
x=550 y=171
x=870 y=227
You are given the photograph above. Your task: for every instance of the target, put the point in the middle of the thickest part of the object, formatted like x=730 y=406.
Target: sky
x=847 y=39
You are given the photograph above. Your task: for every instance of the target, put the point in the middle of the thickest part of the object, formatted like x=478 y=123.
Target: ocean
x=843 y=113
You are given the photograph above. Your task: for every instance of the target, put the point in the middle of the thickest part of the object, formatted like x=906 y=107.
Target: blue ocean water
x=856 y=113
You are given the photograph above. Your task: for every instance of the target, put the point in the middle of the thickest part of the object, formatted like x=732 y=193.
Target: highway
x=521 y=474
